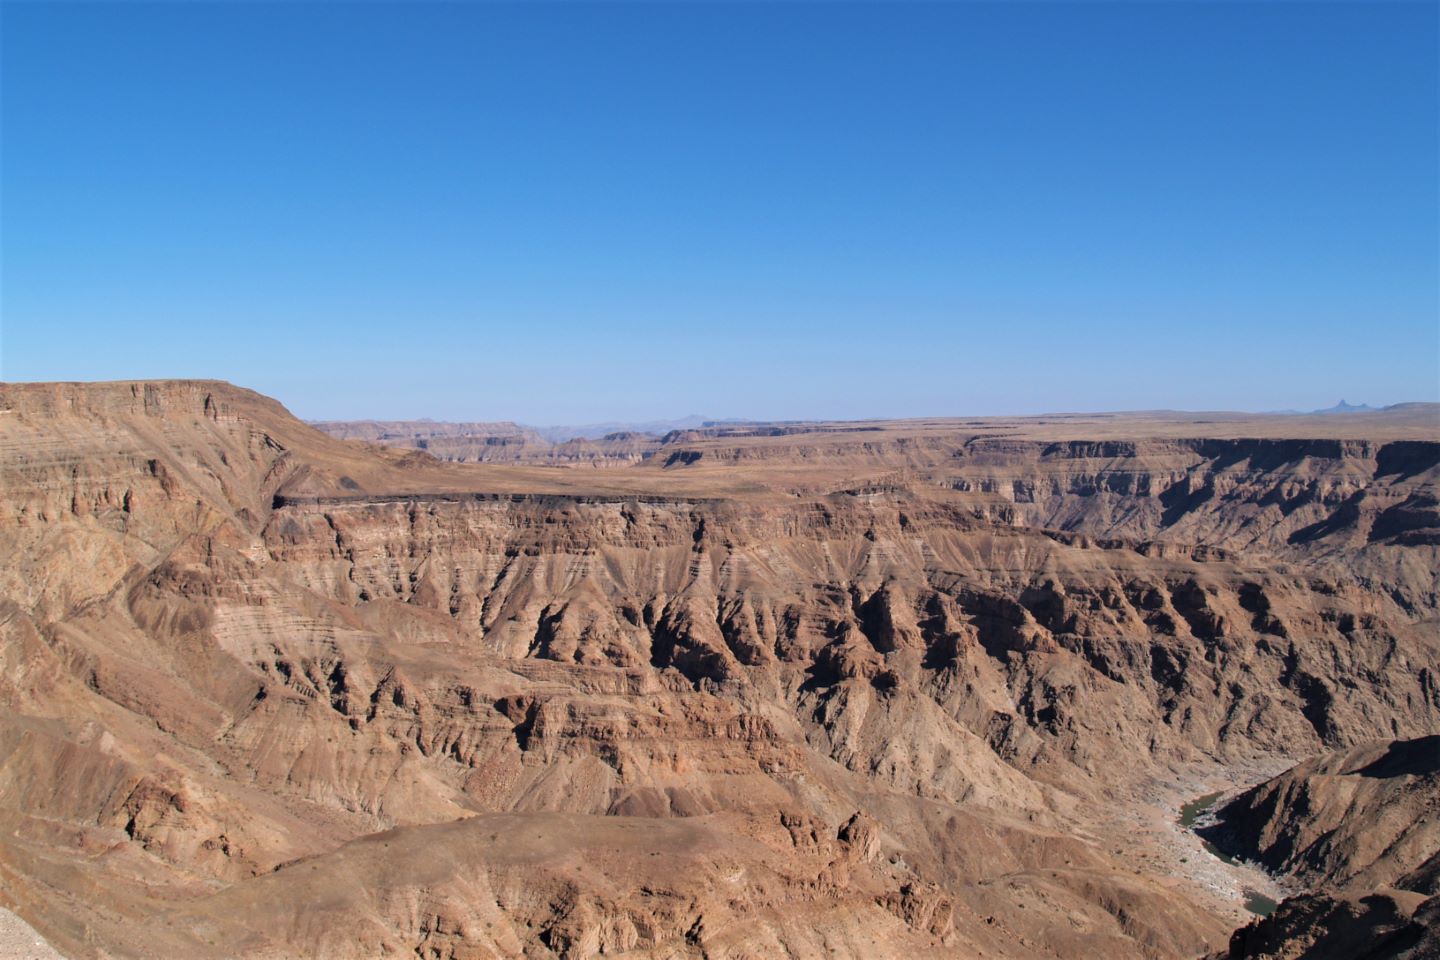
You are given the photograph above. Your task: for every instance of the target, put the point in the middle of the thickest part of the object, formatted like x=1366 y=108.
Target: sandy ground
x=19 y=941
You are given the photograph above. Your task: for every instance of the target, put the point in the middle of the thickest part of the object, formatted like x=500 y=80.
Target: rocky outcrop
x=1363 y=818
x=1360 y=830
x=1383 y=925
x=824 y=689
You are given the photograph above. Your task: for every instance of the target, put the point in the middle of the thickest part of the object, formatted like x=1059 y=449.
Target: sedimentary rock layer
x=833 y=690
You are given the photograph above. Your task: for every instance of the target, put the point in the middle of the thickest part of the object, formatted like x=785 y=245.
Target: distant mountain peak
x=1344 y=407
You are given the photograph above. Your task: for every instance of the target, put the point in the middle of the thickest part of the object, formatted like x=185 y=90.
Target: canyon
x=924 y=688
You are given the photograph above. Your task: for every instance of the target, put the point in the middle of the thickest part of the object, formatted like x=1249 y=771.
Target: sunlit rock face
x=869 y=690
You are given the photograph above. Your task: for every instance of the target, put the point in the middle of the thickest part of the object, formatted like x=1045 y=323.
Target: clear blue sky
x=557 y=213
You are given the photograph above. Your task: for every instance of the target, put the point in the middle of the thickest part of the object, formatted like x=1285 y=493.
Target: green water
x=1191 y=811
x=1259 y=904
x=1256 y=902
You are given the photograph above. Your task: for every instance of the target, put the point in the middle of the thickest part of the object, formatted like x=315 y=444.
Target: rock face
x=1383 y=925
x=831 y=690
x=1363 y=818
x=1361 y=830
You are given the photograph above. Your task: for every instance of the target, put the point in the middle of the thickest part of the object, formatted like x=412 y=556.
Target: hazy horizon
x=570 y=214
x=722 y=419
x=667 y=419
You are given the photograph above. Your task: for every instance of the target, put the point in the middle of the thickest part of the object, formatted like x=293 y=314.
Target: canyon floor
x=933 y=688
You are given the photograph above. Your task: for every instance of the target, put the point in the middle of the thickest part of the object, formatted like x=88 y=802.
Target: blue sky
x=567 y=213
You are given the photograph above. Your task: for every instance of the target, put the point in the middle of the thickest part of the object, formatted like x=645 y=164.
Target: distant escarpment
x=844 y=690
x=500 y=442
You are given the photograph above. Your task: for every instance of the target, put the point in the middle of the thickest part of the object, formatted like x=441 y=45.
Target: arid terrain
x=1359 y=830
x=931 y=688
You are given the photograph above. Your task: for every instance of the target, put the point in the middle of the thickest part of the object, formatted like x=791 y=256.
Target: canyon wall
x=833 y=690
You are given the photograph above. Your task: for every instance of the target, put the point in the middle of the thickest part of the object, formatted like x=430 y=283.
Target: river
x=1191 y=813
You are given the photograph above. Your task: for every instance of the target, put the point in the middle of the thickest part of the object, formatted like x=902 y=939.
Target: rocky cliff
x=1360 y=831
x=832 y=690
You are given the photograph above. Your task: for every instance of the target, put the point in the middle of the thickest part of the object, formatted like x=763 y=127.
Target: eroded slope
x=1360 y=831
x=831 y=692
